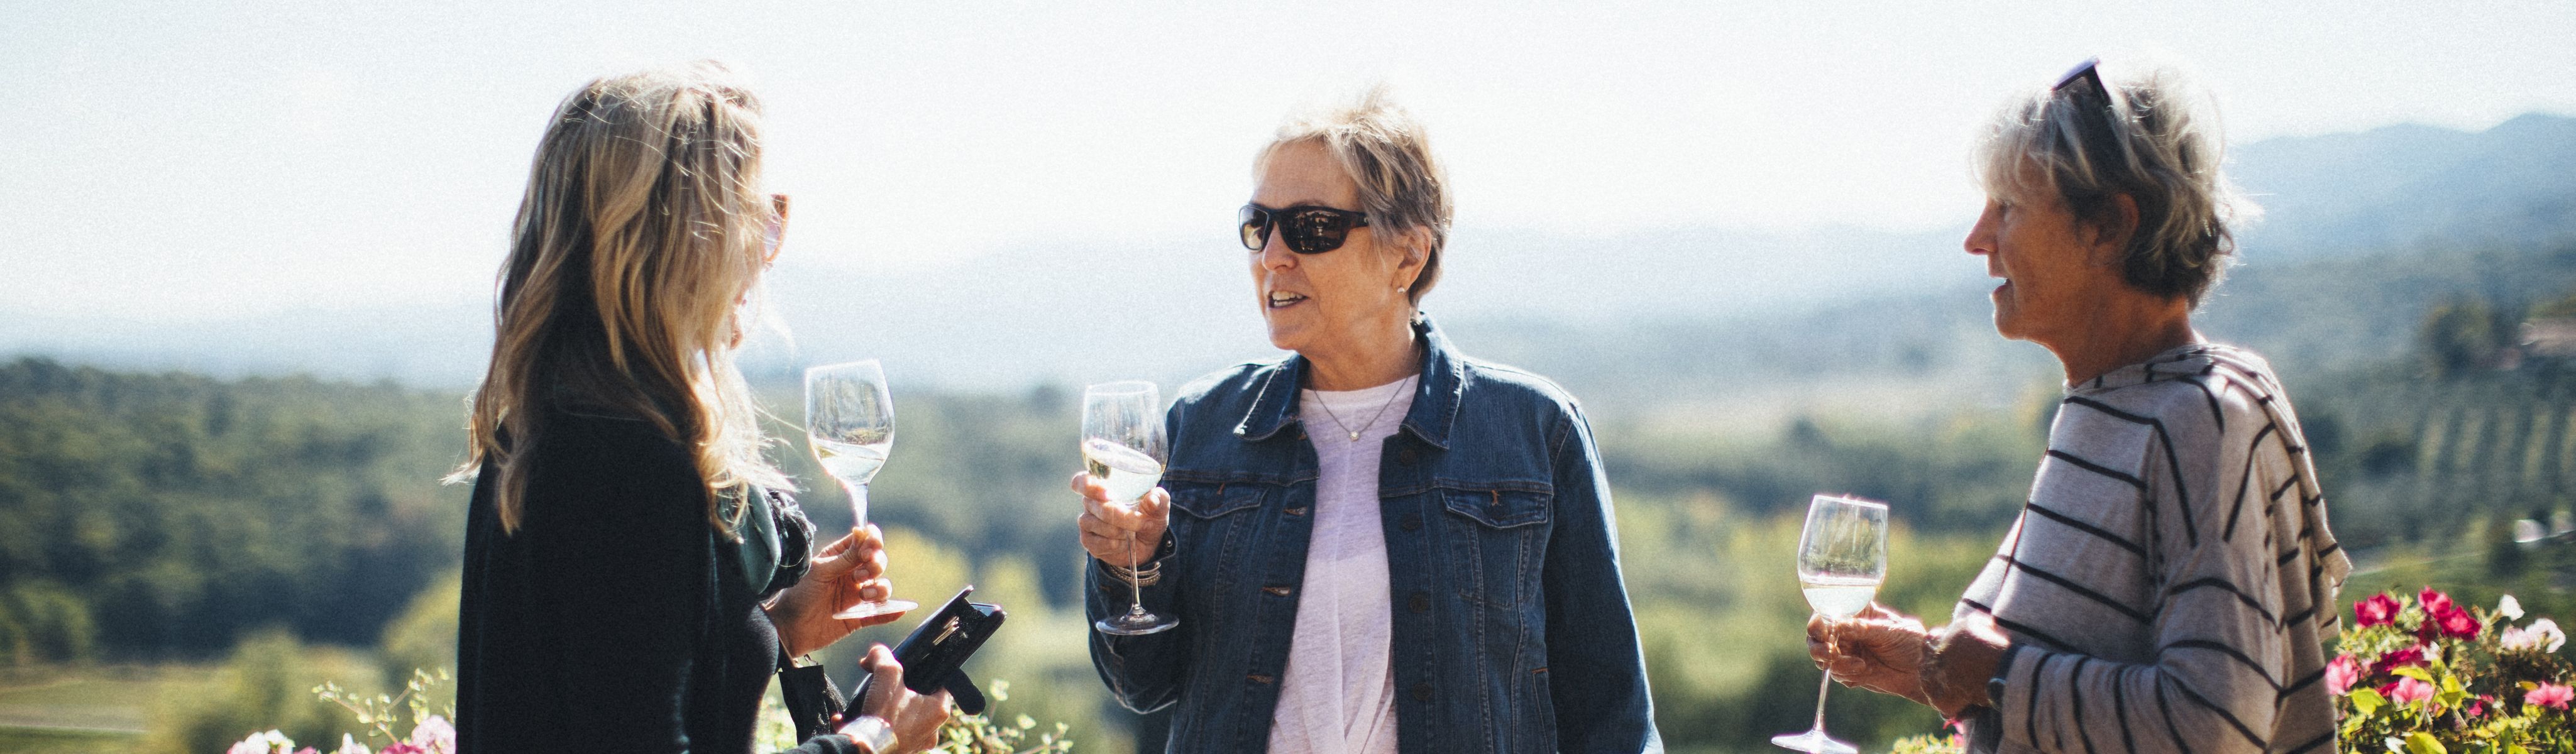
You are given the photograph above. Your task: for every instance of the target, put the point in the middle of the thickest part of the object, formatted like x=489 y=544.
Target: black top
x=617 y=618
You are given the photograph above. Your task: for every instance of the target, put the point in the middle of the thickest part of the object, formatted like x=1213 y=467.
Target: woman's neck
x=1365 y=360
x=2122 y=335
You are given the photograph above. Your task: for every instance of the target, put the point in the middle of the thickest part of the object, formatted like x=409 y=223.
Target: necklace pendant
x=1355 y=437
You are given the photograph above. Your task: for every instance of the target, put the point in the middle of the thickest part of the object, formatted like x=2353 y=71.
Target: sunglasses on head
x=2084 y=89
x=1306 y=230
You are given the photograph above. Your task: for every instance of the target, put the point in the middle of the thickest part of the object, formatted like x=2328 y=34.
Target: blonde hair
x=1387 y=153
x=640 y=232
x=2163 y=149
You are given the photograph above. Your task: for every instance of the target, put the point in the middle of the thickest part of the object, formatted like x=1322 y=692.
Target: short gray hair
x=2163 y=149
x=1388 y=155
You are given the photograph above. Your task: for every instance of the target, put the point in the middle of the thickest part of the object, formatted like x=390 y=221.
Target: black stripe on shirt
x=2171 y=729
x=2173 y=461
x=2240 y=657
x=2245 y=480
x=2303 y=683
x=2097 y=468
x=2079 y=589
x=2215 y=414
x=2223 y=714
x=2213 y=581
x=2097 y=531
x=2120 y=711
x=2017 y=627
x=2030 y=721
x=2075 y=693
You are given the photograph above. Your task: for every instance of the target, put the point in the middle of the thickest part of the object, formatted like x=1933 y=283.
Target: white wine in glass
x=849 y=419
x=1842 y=557
x=1123 y=448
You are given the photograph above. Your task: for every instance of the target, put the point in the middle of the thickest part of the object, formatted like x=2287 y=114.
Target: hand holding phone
x=934 y=656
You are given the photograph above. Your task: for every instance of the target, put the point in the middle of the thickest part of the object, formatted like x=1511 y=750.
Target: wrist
x=1958 y=662
x=872 y=733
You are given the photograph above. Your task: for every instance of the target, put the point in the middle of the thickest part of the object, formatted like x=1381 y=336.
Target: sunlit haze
x=198 y=161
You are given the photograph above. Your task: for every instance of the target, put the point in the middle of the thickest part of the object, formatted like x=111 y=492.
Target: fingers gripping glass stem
x=1842 y=557
x=1123 y=449
x=849 y=421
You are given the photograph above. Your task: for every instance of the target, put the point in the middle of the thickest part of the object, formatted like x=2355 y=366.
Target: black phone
x=934 y=655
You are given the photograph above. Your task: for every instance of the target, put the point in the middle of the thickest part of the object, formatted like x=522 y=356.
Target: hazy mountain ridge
x=1650 y=311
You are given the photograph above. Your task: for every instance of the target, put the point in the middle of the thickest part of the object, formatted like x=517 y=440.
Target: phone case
x=934 y=655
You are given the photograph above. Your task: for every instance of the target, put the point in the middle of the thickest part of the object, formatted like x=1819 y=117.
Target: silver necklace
x=1381 y=410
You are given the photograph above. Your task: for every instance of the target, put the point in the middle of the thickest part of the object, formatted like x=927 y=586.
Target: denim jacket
x=1512 y=630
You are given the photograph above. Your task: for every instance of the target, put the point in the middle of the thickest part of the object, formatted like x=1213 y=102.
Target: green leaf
x=2367 y=701
x=2420 y=742
x=2415 y=672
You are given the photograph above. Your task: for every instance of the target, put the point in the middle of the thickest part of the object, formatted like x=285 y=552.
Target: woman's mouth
x=1284 y=299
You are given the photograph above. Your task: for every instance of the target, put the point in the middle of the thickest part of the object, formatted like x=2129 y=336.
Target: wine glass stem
x=1135 y=593
x=858 y=504
x=1820 y=701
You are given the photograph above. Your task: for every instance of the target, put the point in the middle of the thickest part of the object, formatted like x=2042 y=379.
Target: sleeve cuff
x=2020 y=674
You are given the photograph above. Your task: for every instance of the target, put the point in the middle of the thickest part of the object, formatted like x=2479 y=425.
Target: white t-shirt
x=1338 y=694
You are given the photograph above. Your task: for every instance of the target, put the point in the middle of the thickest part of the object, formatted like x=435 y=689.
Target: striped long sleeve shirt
x=2170 y=582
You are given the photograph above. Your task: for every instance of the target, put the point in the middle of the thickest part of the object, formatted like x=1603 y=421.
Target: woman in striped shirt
x=2169 y=584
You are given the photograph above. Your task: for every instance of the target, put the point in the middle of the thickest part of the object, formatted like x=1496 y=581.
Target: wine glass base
x=1133 y=624
x=1813 y=742
x=874 y=609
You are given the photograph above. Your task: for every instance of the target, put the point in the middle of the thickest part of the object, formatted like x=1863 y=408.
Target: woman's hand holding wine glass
x=1842 y=557
x=1122 y=534
x=1123 y=452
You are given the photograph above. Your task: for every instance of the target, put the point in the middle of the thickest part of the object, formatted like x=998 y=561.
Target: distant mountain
x=1641 y=308
x=2409 y=186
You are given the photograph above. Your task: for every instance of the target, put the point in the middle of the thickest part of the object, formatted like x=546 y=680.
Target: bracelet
x=1144 y=577
x=872 y=732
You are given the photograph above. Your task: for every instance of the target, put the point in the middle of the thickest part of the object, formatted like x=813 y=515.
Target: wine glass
x=849 y=420
x=1841 y=559
x=1123 y=449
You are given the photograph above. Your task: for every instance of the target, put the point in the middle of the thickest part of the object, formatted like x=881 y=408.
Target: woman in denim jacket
x=1381 y=545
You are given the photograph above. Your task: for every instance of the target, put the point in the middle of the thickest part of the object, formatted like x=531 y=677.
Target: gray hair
x=1386 y=152
x=2162 y=149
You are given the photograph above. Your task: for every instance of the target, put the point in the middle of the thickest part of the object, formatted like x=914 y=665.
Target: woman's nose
x=1275 y=253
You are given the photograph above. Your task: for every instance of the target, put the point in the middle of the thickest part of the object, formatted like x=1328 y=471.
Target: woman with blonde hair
x=634 y=572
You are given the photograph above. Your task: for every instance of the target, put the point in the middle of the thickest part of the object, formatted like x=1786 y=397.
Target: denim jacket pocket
x=1208 y=500
x=1495 y=542
x=1499 y=508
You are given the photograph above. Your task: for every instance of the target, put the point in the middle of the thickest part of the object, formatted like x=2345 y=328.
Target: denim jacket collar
x=1435 y=397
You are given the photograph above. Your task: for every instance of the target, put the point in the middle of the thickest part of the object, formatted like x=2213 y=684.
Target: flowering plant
x=431 y=733
x=2421 y=674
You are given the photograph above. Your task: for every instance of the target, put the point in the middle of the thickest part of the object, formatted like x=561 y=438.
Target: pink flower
x=2433 y=601
x=2341 y=673
x=2551 y=695
x=399 y=747
x=2379 y=610
x=2541 y=636
x=2407 y=691
x=434 y=736
x=2455 y=622
x=2480 y=705
x=2399 y=658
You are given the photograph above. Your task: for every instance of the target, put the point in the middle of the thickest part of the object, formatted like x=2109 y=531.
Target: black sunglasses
x=1307 y=230
x=2089 y=95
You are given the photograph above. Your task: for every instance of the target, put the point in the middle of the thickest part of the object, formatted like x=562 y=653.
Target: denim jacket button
x=1407 y=456
x=1422 y=692
x=1412 y=521
x=1421 y=603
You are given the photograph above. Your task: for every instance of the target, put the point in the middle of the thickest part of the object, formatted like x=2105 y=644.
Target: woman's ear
x=2111 y=236
x=1414 y=251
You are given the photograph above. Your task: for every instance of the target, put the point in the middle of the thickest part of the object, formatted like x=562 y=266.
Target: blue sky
x=204 y=160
